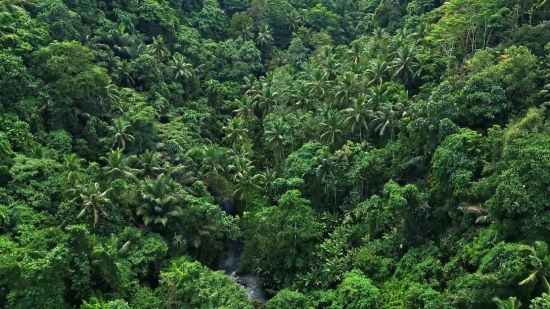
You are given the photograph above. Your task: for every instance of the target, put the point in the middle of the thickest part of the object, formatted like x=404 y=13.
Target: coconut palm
x=378 y=71
x=118 y=166
x=540 y=263
x=109 y=95
x=266 y=180
x=385 y=119
x=331 y=128
x=301 y=97
x=378 y=95
x=136 y=50
x=183 y=69
x=121 y=137
x=149 y=164
x=250 y=84
x=294 y=20
x=211 y=158
x=245 y=33
x=330 y=68
x=356 y=50
x=274 y=136
x=123 y=73
x=92 y=199
x=239 y=151
x=105 y=256
x=318 y=82
x=118 y=39
x=240 y=165
x=72 y=165
x=267 y=99
x=358 y=114
x=326 y=53
x=264 y=37
x=235 y=131
x=345 y=88
x=245 y=183
x=245 y=110
x=510 y=303
x=158 y=49
x=405 y=64
x=161 y=200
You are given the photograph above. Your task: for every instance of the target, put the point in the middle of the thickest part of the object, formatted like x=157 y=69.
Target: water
x=231 y=260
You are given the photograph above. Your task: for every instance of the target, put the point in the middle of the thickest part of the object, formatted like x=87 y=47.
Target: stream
x=230 y=262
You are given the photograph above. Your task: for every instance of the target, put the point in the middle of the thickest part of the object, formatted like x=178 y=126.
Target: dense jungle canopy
x=368 y=154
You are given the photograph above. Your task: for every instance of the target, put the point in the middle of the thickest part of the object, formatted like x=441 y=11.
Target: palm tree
x=93 y=198
x=235 y=131
x=158 y=49
x=211 y=160
x=149 y=164
x=245 y=183
x=239 y=151
x=123 y=73
x=317 y=82
x=301 y=97
x=182 y=68
x=121 y=137
x=378 y=95
x=105 y=257
x=118 y=166
x=294 y=20
x=40 y=152
x=325 y=164
x=250 y=84
x=245 y=110
x=72 y=165
x=267 y=178
x=331 y=128
x=264 y=37
x=245 y=33
x=510 y=303
x=267 y=99
x=358 y=114
x=385 y=119
x=161 y=200
x=405 y=64
x=274 y=136
x=240 y=165
x=403 y=37
x=108 y=95
x=377 y=71
x=356 y=50
x=331 y=67
x=345 y=88
x=135 y=50
x=326 y=53
x=540 y=261
x=118 y=38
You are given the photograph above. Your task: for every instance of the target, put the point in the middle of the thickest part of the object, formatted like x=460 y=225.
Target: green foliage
x=191 y=284
x=287 y=299
x=338 y=141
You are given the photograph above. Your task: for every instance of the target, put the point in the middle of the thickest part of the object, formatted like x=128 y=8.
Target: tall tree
x=92 y=199
x=158 y=48
x=121 y=137
x=161 y=201
x=358 y=114
x=540 y=262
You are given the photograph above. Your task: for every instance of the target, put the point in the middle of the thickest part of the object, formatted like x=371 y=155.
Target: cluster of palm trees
x=264 y=37
x=160 y=194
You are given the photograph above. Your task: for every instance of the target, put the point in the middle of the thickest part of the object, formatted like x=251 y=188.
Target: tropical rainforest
x=363 y=154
